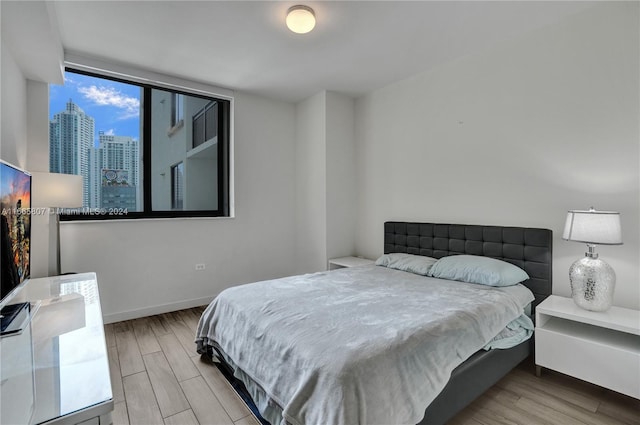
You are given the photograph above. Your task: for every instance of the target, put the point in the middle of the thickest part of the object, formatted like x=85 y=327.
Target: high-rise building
x=114 y=178
x=71 y=134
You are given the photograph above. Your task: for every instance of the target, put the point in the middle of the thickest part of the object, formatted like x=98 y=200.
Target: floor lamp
x=54 y=191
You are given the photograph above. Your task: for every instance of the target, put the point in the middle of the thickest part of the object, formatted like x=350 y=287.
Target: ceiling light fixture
x=301 y=19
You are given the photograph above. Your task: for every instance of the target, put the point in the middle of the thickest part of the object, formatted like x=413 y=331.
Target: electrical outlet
x=200 y=266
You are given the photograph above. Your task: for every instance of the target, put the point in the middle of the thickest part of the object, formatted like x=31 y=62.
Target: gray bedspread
x=363 y=345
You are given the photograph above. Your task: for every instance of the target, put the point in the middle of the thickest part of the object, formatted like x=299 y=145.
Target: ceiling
x=356 y=47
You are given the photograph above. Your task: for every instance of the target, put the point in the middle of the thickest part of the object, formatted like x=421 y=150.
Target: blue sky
x=114 y=106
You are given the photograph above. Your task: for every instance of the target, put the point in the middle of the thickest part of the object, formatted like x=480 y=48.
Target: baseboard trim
x=158 y=309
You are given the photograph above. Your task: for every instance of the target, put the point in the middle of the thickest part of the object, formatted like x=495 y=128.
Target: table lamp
x=53 y=190
x=592 y=279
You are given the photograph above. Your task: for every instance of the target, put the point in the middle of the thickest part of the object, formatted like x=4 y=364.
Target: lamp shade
x=593 y=227
x=53 y=190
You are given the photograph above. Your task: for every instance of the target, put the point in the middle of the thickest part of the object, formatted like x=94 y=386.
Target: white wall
x=514 y=136
x=37 y=122
x=13 y=110
x=24 y=142
x=43 y=232
x=325 y=180
x=340 y=175
x=311 y=190
x=148 y=266
x=31 y=54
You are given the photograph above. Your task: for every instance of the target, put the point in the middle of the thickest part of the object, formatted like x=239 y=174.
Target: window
x=177 y=117
x=205 y=124
x=177 y=190
x=143 y=151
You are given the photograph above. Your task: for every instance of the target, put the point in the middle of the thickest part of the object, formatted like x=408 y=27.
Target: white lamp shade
x=53 y=190
x=593 y=227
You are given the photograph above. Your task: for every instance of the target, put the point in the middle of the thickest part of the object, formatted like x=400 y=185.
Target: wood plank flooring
x=159 y=379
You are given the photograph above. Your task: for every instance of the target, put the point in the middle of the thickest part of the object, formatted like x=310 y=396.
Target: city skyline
x=114 y=106
x=71 y=134
x=109 y=170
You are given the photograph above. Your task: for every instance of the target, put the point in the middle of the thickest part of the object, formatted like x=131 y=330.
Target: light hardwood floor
x=158 y=378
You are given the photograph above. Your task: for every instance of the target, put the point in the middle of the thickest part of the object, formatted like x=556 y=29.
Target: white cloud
x=110 y=132
x=109 y=96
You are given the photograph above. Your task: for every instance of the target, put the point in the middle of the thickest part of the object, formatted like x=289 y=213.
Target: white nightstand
x=599 y=347
x=339 y=263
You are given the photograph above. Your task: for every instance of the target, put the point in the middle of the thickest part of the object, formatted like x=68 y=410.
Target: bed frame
x=527 y=248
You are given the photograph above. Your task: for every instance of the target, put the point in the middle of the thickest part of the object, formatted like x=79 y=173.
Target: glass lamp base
x=592 y=284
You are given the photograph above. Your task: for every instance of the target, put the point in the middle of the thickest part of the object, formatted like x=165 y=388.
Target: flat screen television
x=15 y=229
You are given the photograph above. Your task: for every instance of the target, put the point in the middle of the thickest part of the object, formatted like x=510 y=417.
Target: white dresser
x=57 y=371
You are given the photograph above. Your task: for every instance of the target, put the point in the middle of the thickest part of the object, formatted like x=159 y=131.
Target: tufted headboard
x=528 y=248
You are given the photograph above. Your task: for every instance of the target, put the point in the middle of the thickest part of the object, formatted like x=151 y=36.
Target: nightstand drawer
x=600 y=356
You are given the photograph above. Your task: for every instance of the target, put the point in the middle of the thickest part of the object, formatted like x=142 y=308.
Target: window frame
x=225 y=120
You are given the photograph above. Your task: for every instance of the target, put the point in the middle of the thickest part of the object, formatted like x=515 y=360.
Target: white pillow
x=477 y=269
x=411 y=263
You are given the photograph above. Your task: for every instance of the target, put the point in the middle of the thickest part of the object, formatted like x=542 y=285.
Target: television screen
x=15 y=228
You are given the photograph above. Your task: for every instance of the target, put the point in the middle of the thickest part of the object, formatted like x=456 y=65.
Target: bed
x=365 y=356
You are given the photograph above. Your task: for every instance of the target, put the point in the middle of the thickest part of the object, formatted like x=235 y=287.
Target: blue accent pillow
x=476 y=269
x=411 y=263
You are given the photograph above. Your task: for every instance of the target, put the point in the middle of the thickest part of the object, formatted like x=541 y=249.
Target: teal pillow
x=476 y=269
x=416 y=264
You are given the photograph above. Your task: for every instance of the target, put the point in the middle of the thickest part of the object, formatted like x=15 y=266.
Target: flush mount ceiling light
x=301 y=19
